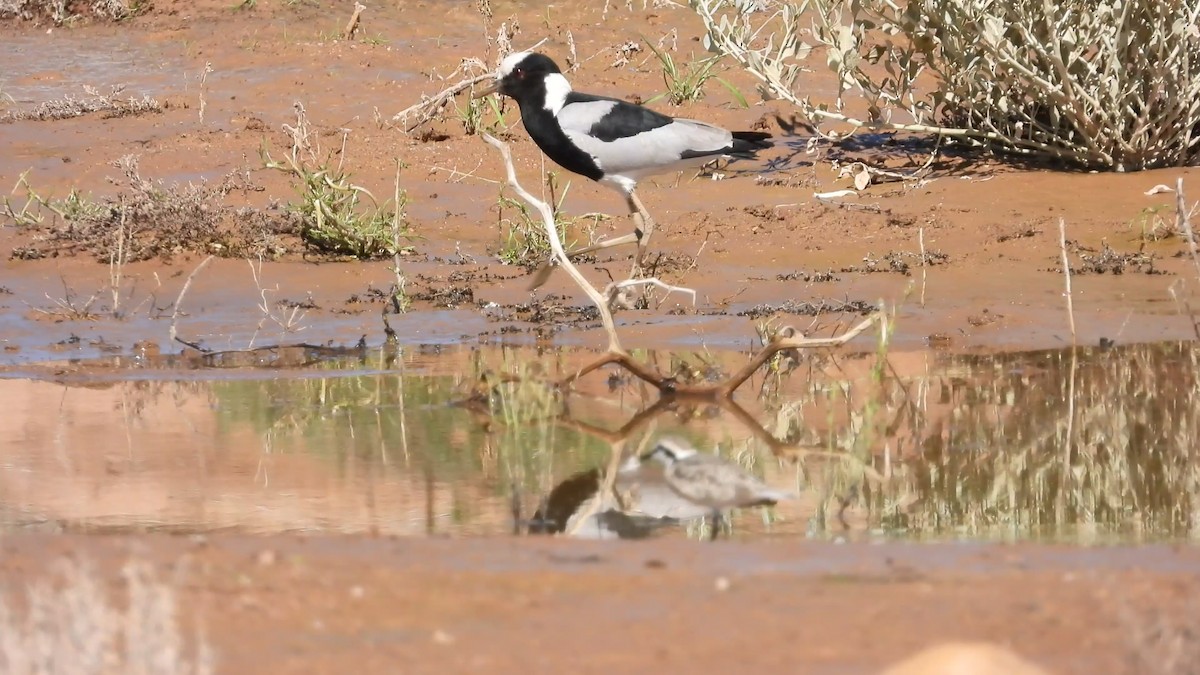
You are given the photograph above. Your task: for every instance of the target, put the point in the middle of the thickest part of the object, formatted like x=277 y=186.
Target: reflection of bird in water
x=711 y=482
x=576 y=498
x=639 y=505
x=682 y=484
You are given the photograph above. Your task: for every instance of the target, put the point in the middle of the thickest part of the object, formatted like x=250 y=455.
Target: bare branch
x=560 y=254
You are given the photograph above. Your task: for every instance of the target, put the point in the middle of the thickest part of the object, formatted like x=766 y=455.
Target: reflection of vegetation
x=407 y=423
x=1095 y=443
x=381 y=417
x=1044 y=444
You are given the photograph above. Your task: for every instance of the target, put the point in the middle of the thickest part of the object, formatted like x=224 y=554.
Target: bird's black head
x=669 y=450
x=524 y=77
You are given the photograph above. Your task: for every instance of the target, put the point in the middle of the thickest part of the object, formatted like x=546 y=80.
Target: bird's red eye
x=518 y=73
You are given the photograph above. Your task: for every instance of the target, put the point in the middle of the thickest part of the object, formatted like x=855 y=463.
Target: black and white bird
x=609 y=140
x=711 y=482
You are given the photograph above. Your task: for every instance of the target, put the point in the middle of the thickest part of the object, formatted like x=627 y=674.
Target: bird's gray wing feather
x=657 y=150
x=582 y=116
x=704 y=482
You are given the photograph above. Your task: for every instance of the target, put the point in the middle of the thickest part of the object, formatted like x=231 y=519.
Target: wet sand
x=179 y=465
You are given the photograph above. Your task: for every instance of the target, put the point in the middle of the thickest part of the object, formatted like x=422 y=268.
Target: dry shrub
x=68 y=626
x=111 y=104
x=1106 y=84
x=150 y=219
x=61 y=12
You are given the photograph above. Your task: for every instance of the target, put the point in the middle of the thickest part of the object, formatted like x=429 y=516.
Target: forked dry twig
x=429 y=107
x=560 y=254
x=667 y=386
x=617 y=297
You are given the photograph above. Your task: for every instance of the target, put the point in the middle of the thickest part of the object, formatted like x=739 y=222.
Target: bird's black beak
x=487 y=91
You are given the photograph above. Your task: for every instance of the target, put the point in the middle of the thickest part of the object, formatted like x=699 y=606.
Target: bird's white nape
x=557 y=88
x=510 y=62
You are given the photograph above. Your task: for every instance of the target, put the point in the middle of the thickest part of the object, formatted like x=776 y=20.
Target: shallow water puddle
x=1091 y=445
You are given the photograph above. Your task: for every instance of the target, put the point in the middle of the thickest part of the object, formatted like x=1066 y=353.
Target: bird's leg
x=543 y=273
x=643 y=227
x=716 y=525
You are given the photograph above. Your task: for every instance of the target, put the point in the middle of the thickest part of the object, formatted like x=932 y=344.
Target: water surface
x=1087 y=445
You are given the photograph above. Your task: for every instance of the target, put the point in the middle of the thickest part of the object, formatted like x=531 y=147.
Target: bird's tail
x=747 y=143
x=771 y=497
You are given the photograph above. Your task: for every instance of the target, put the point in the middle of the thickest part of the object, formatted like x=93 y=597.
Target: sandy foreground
x=751 y=248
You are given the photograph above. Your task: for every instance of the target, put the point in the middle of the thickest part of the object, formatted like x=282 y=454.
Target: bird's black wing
x=621 y=120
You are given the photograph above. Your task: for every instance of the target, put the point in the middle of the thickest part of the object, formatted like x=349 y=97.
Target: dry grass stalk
x=1062 y=247
x=174 y=333
x=70 y=627
x=204 y=81
x=1183 y=223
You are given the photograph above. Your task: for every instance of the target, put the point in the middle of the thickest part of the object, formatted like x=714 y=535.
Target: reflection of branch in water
x=299 y=355
x=668 y=385
x=296 y=355
x=627 y=499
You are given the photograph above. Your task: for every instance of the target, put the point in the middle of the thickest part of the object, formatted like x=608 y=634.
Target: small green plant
x=1151 y=224
x=525 y=242
x=686 y=84
x=473 y=116
x=74 y=207
x=335 y=218
x=246 y=5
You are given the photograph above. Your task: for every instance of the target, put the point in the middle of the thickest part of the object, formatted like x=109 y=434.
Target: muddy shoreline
x=974 y=479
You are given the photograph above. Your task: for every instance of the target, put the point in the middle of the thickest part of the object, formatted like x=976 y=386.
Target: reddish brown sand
x=380 y=605
x=302 y=605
